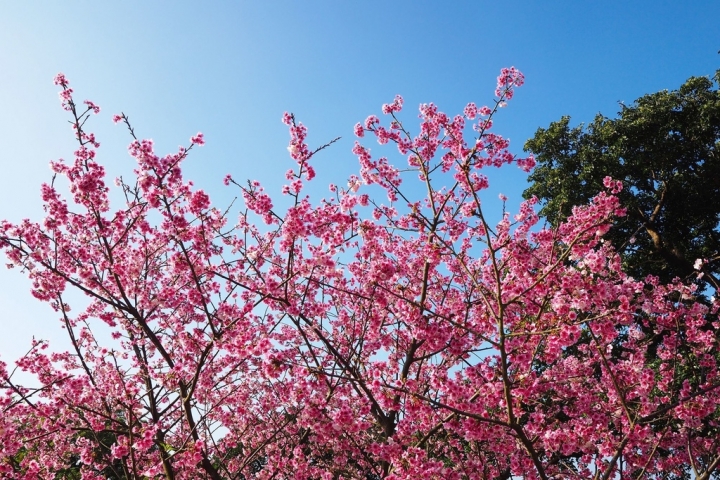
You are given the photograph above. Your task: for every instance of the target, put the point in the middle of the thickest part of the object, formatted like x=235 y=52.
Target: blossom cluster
x=390 y=336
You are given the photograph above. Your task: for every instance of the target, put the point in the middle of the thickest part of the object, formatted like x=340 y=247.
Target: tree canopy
x=378 y=333
x=665 y=149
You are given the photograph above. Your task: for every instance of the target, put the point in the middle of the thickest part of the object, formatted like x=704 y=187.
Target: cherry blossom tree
x=376 y=333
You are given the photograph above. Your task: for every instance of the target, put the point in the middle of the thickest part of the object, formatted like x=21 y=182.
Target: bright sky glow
x=230 y=69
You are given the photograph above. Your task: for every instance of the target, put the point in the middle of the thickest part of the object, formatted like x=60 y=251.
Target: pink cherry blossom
x=390 y=334
x=198 y=139
x=91 y=106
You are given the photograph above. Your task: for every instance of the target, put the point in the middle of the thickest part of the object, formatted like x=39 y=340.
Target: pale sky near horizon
x=230 y=69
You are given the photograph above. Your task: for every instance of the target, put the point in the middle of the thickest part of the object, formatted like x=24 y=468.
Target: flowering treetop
x=359 y=336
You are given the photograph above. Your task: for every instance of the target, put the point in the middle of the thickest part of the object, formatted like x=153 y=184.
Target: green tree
x=665 y=149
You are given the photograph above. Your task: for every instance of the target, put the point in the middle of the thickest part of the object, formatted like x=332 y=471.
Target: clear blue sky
x=230 y=68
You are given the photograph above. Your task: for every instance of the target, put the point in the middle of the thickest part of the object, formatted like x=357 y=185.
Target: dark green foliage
x=665 y=149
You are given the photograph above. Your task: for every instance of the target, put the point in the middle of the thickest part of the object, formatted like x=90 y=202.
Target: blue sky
x=231 y=68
